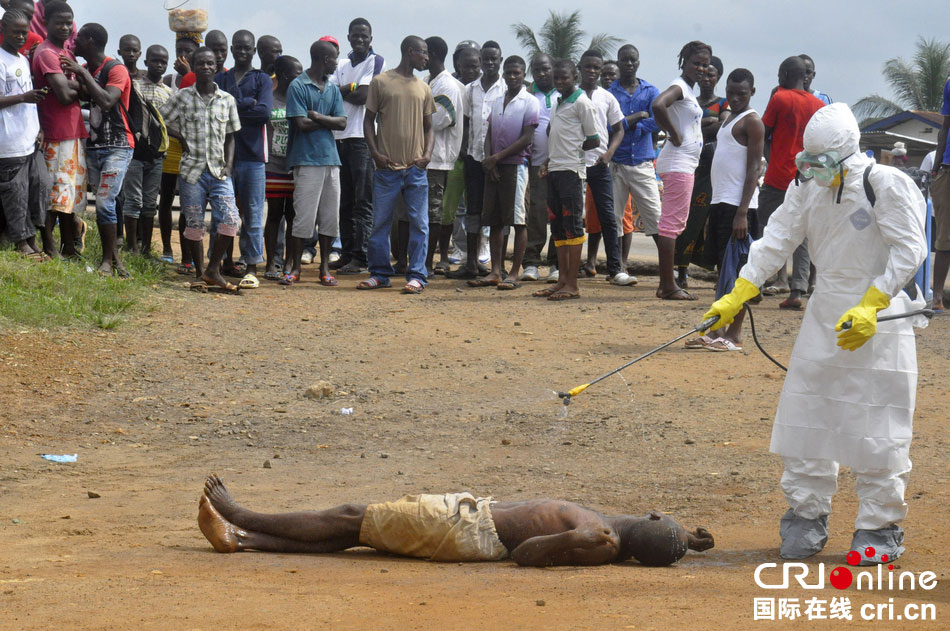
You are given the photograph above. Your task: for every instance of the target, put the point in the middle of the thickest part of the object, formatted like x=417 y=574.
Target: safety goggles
x=822 y=166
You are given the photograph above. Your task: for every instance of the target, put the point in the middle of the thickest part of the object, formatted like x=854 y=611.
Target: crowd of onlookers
x=379 y=172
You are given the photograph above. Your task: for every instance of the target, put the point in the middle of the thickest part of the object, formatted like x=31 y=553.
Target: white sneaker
x=553 y=276
x=623 y=279
x=456 y=256
x=530 y=273
x=484 y=254
x=334 y=257
x=306 y=258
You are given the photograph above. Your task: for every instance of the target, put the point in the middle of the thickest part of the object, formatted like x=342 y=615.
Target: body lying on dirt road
x=453 y=527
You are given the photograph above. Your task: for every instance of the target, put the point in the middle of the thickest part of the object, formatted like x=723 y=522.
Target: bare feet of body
x=223 y=535
x=220 y=497
x=215 y=278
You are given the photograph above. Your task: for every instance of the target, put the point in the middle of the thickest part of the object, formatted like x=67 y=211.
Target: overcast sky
x=849 y=40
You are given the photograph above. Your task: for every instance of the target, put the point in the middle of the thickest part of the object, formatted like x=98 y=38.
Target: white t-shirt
x=478 y=108
x=572 y=123
x=687 y=117
x=19 y=124
x=608 y=114
x=729 y=165
x=360 y=74
x=928 y=162
x=447 y=122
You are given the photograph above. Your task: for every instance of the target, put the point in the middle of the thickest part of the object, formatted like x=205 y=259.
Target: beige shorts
x=638 y=182
x=450 y=527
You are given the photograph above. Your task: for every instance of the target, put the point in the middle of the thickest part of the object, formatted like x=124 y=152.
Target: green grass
x=60 y=294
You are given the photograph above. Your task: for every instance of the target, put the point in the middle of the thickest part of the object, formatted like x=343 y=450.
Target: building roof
x=934 y=119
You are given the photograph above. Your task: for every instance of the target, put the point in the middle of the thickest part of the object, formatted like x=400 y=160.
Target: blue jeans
x=105 y=170
x=140 y=189
x=248 y=180
x=194 y=198
x=388 y=185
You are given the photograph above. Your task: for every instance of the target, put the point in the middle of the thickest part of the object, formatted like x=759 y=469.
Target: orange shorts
x=592 y=223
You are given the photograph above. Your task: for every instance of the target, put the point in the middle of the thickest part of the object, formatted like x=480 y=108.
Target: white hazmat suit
x=841 y=407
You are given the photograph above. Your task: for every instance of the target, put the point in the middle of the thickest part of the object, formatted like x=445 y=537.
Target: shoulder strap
x=868 y=189
x=104 y=73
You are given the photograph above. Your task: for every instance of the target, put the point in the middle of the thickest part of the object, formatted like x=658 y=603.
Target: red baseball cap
x=331 y=39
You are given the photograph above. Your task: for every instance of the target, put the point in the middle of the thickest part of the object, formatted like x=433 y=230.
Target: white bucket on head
x=188 y=16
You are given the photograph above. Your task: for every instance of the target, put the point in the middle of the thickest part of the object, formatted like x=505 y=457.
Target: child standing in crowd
x=27 y=8
x=64 y=134
x=204 y=119
x=279 y=188
x=24 y=181
x=678 y=113
x=144 y=177
x=573 y=130
x=315 y=110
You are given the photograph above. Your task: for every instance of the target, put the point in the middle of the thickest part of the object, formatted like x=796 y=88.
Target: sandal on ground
x=508 y=284
x=699 y=342
x=203 y=287
x=676 y=294
x=558 y=296
x=328 y=281
x=441 y=268
x=249 y=282
x=791 y=305
x=185 y=269
x=722 y=345
x=289 y=279
x=235 y=270
x=200 y=286
x=481 y=282
x=374 y=282
x=166 y=258
x=273 y=275
x=771 y=290
x=413 y=287
x=543 y=293
x=588 y=272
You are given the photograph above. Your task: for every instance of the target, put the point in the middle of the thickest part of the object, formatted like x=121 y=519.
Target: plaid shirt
x=204 y=126
x=155 y=93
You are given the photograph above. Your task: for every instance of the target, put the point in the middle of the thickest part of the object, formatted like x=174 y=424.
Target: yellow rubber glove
x=729 y=306
x=863 y=319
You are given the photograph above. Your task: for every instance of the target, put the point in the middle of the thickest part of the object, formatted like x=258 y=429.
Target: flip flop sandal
x=788 y=305
x=289 y=279
x=676 y=292
x=122 y=274
x=699 y=342
x=544 y=293
x=199 y=286
x=560 y=296
x=328 y=281
x=249 y=282
x=166 y=258
x=723 y=345
x=508 y=284
x=272 y=275
x=589 y=273
x=413 y=287
x=185 y=269
x=374 y=282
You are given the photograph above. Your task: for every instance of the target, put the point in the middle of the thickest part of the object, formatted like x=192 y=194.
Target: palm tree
x=918 y=85
x=561 y=37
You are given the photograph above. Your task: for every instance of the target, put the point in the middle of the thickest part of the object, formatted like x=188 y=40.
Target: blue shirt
x=315 y=148
x=821 y=96
x=637 y=144
x=255 y=99
x=945 y=110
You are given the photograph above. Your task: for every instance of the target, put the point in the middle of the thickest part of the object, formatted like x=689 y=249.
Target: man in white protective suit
x=849 y=394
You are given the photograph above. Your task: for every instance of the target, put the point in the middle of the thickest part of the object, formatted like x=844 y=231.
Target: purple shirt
x=946 y=112
x=507 y=121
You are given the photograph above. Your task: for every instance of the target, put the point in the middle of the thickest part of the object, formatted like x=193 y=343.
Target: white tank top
x=687 y=117
x=729 y=165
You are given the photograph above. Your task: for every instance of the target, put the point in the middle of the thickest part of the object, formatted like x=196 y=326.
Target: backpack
x=145 y=121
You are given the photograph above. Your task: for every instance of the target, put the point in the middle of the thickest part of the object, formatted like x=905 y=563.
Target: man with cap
x=852 y=404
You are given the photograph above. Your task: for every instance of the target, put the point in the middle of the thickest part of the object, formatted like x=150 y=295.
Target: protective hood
x=832 y=128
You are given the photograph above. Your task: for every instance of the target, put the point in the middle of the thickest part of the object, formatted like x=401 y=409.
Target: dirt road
x=450 y=391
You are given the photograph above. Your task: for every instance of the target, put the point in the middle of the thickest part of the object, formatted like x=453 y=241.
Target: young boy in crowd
x=27 y=8
x=315 y=111
x=279 y=188
x=111 y=142
x=144 y=177
x=204 y=119
x=130 y=50
x=511 y=125
x=24 y=181
x=64 y=134
x=253 y=91
x=573 y=130
x=542 y=71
